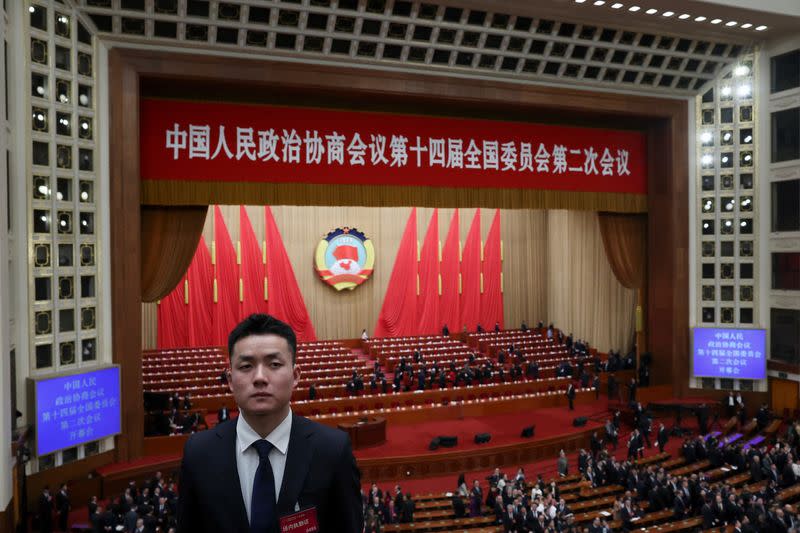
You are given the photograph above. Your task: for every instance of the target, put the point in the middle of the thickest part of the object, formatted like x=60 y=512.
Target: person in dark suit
x=632 y=391
x=46 y=511
x=662 y=437
x=571 y=396
x=62 y=506
x=223 y=414
x=245 y=475
x=445 y=331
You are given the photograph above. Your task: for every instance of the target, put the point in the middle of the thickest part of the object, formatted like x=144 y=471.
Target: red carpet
x=414 y=439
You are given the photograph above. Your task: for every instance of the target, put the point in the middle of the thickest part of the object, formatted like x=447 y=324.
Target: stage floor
x=410 y=440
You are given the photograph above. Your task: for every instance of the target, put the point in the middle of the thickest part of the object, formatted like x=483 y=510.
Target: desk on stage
x=366 y=431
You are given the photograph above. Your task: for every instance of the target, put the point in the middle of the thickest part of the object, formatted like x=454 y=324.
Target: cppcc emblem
x=344 y=258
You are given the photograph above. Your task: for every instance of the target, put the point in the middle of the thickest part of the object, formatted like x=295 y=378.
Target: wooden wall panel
x=784 y=394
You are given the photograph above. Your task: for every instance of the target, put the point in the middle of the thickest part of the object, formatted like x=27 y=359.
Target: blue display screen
x=78 y=408
x=730 y=353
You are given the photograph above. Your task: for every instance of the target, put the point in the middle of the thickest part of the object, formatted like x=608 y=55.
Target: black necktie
x=262 y=504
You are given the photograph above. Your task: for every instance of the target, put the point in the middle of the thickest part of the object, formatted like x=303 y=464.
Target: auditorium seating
x=198 y=370
x=588 y=503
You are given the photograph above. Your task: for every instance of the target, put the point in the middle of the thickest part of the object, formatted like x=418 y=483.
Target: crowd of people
x=385 y=507
x=522 y=506
x=148 y=508
x=179 y=419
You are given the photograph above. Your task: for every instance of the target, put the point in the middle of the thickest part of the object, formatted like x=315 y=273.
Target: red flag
x=471 y=276
x=252 y=268
x=201 y=297
x=449 y=308
x=428 y=299
x=285 y=300
x=226 y=274
x=399 y=311
x=492 y=297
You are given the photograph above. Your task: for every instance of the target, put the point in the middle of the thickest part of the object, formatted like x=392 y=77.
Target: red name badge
x=303 y=522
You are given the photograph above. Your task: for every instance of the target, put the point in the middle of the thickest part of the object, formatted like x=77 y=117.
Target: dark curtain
x=169 y=239
x=625 y=243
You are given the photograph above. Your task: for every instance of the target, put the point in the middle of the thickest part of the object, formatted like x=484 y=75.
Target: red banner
x=223 y=142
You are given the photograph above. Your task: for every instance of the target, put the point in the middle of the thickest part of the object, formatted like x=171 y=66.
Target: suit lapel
x=229 y=476
x=298 y=460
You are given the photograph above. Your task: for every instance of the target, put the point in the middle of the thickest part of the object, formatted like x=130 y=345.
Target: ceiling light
x=62 y=223
x=731 y=23
x=701 y=18
x=684 y=16
x=651 y=11
x=761 y=28
x=743 y=223
x=725 y=159
x=634 y=9
x=707 y=159
x=716 y=21
x=728 y=223
x=746 y=26
x=727 y=136
x=32 y=9
x=726 y=91
x=706 y=137
x=744 y=90
x=616 y=6
x=580 y=1
x=84 y=195
x=59 y=196
x=667 y=13
x=705 y=225
x=748 y=158
x=599 y=2
x=43 y=190
x=741 y=70
x=748 y=139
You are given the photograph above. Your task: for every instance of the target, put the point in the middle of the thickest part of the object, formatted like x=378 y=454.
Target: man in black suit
x=268 y=464
x=46 y=511
x=662 y=437
x=571 y=396
x=63 y=506
x=223 y=414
